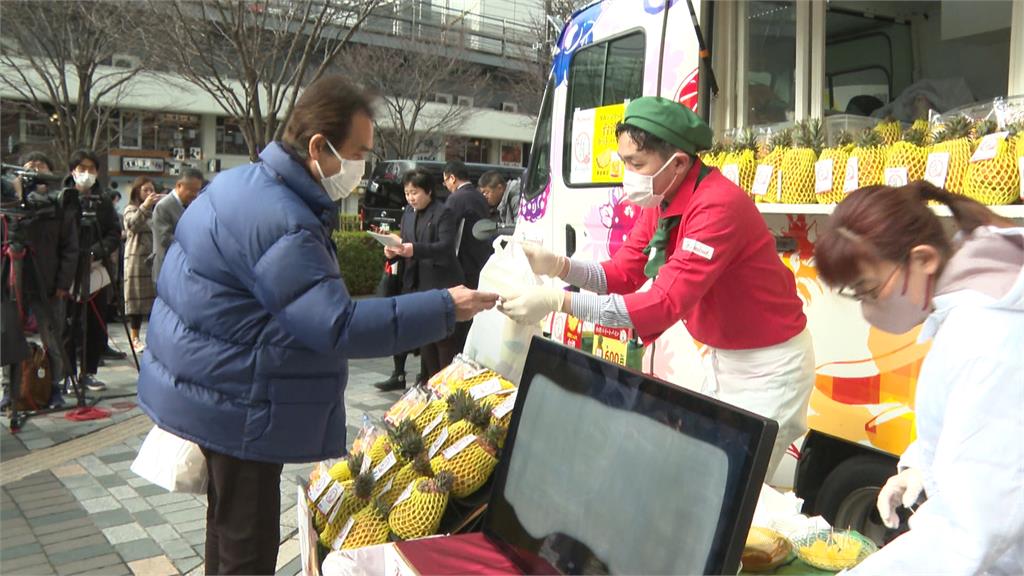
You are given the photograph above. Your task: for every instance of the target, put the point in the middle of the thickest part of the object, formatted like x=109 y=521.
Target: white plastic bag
x=171 y=462
x=495 y=341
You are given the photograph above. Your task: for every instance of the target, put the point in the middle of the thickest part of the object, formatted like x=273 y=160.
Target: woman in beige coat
x=139 y=288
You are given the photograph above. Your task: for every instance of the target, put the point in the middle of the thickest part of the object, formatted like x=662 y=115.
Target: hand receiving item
x=904 y=488
x=469 y=303
x=533 y=304
x=543 y=262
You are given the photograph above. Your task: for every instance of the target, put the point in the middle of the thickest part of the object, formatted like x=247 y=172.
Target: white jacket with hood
x=970 y=419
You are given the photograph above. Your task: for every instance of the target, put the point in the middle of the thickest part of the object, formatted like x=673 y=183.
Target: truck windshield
x=539 y=170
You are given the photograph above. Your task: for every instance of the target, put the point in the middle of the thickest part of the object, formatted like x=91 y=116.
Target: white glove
x=904 y=488
x=533 y=304
x=542 y=262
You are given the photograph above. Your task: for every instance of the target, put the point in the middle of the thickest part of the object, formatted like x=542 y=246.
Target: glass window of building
x=229 y=137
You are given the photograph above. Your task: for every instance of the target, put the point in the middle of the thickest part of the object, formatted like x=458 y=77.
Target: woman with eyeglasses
x=886 y=248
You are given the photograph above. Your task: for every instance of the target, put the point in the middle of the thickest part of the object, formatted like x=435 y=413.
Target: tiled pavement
x=85 y=512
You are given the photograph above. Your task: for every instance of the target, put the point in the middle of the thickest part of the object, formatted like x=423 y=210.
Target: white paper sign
x=778 y=181
x=317 y=489
x=406 y=493
x=485 y=389
x=1020 y=167
x=386 y=464
x=433 y=424
x=896 y=177
x=762 y=179
x=327 y=502
x=851 y=178
x=335 y=512
x=823 y=176
x=989 y=146
x=582 y=150
x=441 y=439
x=307 y=534
x=387 y=487
x=937 y=169
x=459 y=446
x=505 y=407
x=336 y=545
x=366 y=464
x=732 y=172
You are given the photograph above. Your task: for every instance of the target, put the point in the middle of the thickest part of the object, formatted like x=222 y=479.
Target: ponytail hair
x=878 y=223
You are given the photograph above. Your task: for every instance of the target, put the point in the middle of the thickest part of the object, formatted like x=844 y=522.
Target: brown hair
x=884 y=223
x=325 y=107
x=135 y=193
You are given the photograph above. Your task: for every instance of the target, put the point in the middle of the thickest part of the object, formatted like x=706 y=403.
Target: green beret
x=671 y=121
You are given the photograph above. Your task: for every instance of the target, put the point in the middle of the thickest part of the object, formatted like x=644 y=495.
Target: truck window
x=609 y=72
x=539 y=170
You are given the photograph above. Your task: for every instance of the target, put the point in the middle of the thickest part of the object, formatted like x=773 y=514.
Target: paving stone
x=24 y=564
x=177 y=548
x=291 y=568
x=27 y=492
x=11 y=513
x=194 y=537
x=124 y=533
x=68 y=470
x=74 y=544
x=119 y=569
x=56 y=527
x=15 y=540
x=98 y=563
x=185 y=564
x=162 y=533
x=111 y=518
x=103 y=504
x=137 y=481
x=169 y=498
x=123 y=492
x=154 y=566
x=135 y=504
x=120 y=467
x=39 y=443
x=79 y=481
x=149 y=490
x=65 y=505
x=31 y=498
x=56 y=518
x=190 y=504
x=148 y=517
x=111 y=480
x=185 y=516
x=138 y=549
x=68 y=534
x=94 y=466
x=89 y=492
x=61 y=560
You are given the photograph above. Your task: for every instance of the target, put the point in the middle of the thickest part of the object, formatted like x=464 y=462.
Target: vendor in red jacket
x=709 y=260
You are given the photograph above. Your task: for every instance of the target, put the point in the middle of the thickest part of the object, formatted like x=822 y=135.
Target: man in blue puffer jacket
x=252 y=328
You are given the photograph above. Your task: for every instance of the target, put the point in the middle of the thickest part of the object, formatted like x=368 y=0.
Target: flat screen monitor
x=610 y=471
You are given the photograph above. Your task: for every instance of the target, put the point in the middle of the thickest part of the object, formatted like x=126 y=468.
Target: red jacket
x=722 y=276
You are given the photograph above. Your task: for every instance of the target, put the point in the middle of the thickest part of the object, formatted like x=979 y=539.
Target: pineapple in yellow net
x=472 y=461
x=457 y=406
x=955 y=139
x=435 y=409
x=778 y=144
x=419 y=468
x=798 y=164
x=475 y=421
x=369 y=526
x=995 y=181
x=346 y=468
x=356 y=496
x=741 y=161
x=870 y=156
x=419 y=514
x=407 y=444
x=909 y=153
x=928 y=128
x=890 y=131
x=838 y=154
x=715 y=155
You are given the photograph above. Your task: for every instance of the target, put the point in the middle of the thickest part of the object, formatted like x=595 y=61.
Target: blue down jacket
x=251 y=332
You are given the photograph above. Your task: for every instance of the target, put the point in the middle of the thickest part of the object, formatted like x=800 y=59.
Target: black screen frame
x=553 y=360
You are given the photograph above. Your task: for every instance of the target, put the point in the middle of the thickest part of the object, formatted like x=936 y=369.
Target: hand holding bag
x=173 y=463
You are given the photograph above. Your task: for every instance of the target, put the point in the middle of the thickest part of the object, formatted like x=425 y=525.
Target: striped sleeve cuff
x=607 y=310
x=587 y=275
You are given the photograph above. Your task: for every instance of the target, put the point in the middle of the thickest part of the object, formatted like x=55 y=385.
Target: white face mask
x=897 y=314
x=639 y=188
x=340 y=185
x=84 y=179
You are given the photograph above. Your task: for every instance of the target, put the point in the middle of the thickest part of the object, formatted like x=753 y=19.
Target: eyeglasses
x=855 y=293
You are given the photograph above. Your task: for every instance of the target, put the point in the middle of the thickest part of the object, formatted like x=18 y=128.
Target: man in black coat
x=467 y=205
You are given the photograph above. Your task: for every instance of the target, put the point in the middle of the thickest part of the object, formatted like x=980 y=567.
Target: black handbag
x=391 y=279
x=13 y=348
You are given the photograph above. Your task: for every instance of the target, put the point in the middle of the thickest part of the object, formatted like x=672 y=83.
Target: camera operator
x=99 y=223
x=53 y=251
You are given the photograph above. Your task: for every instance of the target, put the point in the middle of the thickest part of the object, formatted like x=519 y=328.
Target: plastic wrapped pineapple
x=867 y=158
x=909 y=153
x=838 y=156
x=778 y=143
x=356 y=495
x=889 y=130
x=419 y=509
x=472 y=460
x=739 y=164
x=406 y=443
x=994 y=180
x=955 y=139
x=366 y=527
x=798 y=164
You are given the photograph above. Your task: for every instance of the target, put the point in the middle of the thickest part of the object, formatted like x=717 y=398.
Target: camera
x=29 y=204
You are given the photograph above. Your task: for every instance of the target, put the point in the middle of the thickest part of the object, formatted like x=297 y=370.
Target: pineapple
x=890 y=131
x=347 y=468
x=407 y=444
x=838 y=154
x=714 y=156
x=777 y=146
x=474 y=422
x=357 y=495
x=870 y=158
x=420 y=513
x=954 y=138
x=798 y=164
x=473 y=464
x=418 y=468
x=926 y=127
x=369 y=526
x=997 y=180
x=429 y=414
x=909 y=153
x=742 y=160
x=380 y=448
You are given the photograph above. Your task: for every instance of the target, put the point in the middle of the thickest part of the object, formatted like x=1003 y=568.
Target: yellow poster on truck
x=607 y=164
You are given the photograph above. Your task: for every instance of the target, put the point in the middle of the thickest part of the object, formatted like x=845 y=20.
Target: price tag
x=386 y=464
x=406 y=494
x=459 y=446
x=732 y=172
x=762 y=179
x=433 y=424
x=504 y=391
x=823 y=176
x=387 y=487
x=485 y=389
x=505 y=407
x=334 y=513
x=989 y=146
x=336 y=545
x=318 y=488
x=441 y=439
x=937 y=169
x=896 y=177
x=851 y=178
x=327 y=502
x=366 y=464
x=1020 y=167
x=475 y=373
x=778 y=181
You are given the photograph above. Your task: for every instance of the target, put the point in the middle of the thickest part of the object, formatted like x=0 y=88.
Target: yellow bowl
x=834 y=551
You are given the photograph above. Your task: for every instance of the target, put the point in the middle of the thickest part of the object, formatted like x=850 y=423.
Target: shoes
x=138 y=345
x=396 y=382
x=112 y=354
x=56 y=399
x=92 y=383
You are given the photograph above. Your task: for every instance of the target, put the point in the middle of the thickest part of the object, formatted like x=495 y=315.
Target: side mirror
x=487 y=230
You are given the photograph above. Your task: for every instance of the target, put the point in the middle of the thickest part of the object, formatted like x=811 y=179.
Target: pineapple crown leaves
x=781 y=139
x=421 y=465
x=402 y=430
x=916 y=136
x=479 y=416
x=363 y=485
x=440 y=484
x=844 y=138
x=955 y=128
x=459 y=405
x=379 y=507
x=809 y=135
x=409 y=445
x=492 y=437
x=355 y=463
x=870 y=138
x=747 y=140
x=985 y=127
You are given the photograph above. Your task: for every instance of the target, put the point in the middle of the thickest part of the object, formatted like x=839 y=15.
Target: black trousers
x=243 y=521
x=437 y=355
x=96 y=334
